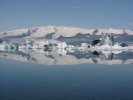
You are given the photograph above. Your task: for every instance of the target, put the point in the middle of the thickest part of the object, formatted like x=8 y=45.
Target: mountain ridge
x=57 y=31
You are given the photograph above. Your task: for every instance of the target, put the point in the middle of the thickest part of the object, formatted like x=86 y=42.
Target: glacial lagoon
x=66 y=75
x=101 y=72
x=27 y=81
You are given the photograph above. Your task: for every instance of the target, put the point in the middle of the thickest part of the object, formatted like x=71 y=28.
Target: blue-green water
x=26 y=81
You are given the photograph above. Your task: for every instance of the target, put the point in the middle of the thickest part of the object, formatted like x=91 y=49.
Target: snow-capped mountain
x=57 y=31
x=67 y=39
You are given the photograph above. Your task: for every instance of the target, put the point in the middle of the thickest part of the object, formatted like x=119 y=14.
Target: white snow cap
x=63 y=31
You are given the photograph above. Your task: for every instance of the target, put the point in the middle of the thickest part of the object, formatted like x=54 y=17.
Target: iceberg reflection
x=63 y=56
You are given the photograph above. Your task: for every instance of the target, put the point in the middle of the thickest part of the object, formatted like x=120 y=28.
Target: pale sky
x=79 y=13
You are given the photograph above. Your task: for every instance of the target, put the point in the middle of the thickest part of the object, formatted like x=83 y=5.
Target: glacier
x=57 y=45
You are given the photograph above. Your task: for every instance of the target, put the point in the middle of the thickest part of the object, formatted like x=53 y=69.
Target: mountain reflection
x=55 y=56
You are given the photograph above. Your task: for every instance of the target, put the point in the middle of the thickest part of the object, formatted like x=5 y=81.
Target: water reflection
x=56 y=56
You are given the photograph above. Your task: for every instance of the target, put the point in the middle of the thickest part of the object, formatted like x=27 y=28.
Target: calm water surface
x=26 y=81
